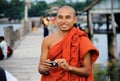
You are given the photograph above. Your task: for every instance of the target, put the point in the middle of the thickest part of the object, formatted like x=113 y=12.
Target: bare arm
x=83 y=71
x=44 y=65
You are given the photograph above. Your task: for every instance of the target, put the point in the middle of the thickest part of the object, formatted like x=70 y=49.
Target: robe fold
x=73 y=48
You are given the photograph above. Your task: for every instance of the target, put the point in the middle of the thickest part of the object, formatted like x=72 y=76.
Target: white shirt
x=10 y=77
x=3 y=46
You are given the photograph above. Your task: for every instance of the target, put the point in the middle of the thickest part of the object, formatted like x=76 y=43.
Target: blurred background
x=100 y=19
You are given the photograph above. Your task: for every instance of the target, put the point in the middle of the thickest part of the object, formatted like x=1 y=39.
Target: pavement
x=23 y=64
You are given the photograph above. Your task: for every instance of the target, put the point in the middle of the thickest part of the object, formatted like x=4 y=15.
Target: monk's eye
x=68 y=17
x=60 y=17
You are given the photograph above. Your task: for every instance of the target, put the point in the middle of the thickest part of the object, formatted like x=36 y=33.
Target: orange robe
x=73 y=48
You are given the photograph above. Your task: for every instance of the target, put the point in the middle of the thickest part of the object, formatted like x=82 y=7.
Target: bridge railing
x=12 y=37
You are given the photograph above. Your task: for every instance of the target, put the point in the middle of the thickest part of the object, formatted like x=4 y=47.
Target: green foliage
x=79 y=6
x=113 y=69
x=59 y=2
x=3 y=6
x=101 y=75
x=38 y=9
x=15 y=14
x=12 y=10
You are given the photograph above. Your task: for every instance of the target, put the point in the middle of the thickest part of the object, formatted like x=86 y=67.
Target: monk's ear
x=76 y=19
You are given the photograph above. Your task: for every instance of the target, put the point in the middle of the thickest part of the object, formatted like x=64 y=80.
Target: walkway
x=23 y=64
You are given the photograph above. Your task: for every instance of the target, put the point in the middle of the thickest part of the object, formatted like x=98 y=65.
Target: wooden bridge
x=23 y=64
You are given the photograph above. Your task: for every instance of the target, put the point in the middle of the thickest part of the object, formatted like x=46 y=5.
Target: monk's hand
x=63 y=64
x=45 y=67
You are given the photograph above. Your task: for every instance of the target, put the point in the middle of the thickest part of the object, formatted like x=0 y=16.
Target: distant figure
x=33 y=26
x=6 y=76
x=45 y=23
x=52 y=25
x=5 y=50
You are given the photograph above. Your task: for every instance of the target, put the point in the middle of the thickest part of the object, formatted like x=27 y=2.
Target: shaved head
x=66 y=18
x=67 y=8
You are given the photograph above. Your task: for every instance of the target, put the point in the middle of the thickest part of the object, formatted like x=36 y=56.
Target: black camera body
x=53 y=64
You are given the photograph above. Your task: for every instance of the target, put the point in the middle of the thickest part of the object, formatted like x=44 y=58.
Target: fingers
x=45 y=72
x=62 y=63
x=46 y=62
x=46 y=66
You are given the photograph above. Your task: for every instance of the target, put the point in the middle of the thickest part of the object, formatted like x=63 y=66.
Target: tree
x=12 y=10
x=60 y=2
x=79 y=6
x=4 y=5
x=16 y=9
x=38 y=9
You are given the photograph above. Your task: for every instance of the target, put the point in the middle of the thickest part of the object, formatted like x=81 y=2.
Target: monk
x=70 y=48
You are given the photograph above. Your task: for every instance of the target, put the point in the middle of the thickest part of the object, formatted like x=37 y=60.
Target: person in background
x=45 y=23
x=6 y=76
x=67 y=55
x=5 y=50
x=3 y=46
x=52 y=25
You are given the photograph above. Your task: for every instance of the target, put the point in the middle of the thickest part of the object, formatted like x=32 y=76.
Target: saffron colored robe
x=73 y=48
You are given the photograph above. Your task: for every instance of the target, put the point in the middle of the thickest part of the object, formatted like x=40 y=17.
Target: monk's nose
x=64 y=20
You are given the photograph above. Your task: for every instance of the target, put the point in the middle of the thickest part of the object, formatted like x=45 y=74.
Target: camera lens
x=53 y=63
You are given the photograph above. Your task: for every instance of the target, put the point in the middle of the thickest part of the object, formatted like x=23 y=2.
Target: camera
x=53 y=64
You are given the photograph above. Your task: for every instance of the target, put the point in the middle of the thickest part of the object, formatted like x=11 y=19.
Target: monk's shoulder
x=50 y=38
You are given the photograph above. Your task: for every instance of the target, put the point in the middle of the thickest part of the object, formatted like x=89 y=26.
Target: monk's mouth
x=64 y=25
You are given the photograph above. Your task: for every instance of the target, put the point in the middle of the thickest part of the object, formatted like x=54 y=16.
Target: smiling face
x=66 y=18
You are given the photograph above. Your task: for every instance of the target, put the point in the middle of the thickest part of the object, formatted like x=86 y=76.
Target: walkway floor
x=23 y=64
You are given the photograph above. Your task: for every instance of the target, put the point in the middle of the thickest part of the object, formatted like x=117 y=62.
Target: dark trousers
x=2 y=75
x=46 y=31
x=1 y=54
